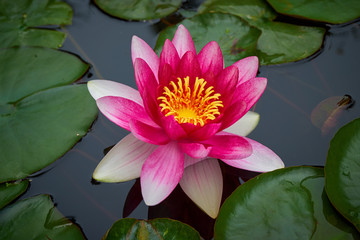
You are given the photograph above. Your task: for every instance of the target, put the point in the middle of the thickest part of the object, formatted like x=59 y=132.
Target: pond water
x=293 y=91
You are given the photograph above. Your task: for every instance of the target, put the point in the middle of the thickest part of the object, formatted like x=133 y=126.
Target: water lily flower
x=188 y=112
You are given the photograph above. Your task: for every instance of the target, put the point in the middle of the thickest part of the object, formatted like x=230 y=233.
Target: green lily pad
x=274 y=202
x=36 y=218
x=19 y=19
x=138 y=10
x=331 y=225
x=10 y=191
x=279 y=42
x=40 y=119
x=235 y=37
x=161 y=229
x=342 y=172
x=335 y=11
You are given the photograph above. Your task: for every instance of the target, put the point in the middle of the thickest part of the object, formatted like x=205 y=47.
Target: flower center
x=196 y=105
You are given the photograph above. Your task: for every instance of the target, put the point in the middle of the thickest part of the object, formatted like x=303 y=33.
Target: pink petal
x=161 y=173
x=172 y=128
x=225 y=84
x=188 y=161
x=250 y=91
x=147 y=133
x=211 y=58
x=169 y=55
x=182 y=41
x=233 y=113
x=103 y=88
x=248 y=68
x=189 y=67
x=124 y=161
x=140 y=49
x=262 y=159
x=121 y=110
x=203 y=183
x=245 y=125
x=195 y=150
x=228 y=146
x=204 y=132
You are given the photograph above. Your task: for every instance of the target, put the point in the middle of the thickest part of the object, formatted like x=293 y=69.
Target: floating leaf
x=10 y=191
x=279 y=42
x=36 y=218
x=326 y=114
x=236 y=38
x=40 y=121
x=138 y=10
x=335 y=11
x=19 y=19
x=342 y=171
x=161 y=229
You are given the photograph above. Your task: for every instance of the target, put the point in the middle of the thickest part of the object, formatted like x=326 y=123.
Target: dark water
x=293 y=92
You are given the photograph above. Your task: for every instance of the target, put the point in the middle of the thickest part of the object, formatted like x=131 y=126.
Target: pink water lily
x=188 y=112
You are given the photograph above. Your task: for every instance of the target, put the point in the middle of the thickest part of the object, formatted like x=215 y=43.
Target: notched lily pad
x=335 y=11
x=40 y=118
x=342 y=172
x=235 y=37
x=138 y=10
x=161 y=229
x=36 y=218
x=279 y=42
x=20 y=19
x=10 y=191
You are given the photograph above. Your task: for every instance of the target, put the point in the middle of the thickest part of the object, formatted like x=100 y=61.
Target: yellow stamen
x=190 y=104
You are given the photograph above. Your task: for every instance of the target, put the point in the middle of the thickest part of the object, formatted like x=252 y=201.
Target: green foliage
x=138 y=10
x=342 y=171
x=36 y=218
x=10 y=191
x=156 y=229
x=19 y=19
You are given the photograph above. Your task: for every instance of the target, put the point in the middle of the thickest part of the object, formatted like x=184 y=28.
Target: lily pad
x=235 y=37
x=138 y=10
x=279 y=42
x=40 y=119
x=335 y=11
x=36 y=218
x=19 y=19
x=161 y=229
x=10 y=191
x=342 y=172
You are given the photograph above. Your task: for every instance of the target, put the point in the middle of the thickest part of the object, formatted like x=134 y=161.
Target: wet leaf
x=138 y=10
x=20 y=21
x=335 y=11
x=342 y=171
x=236 y=38
x=162 y=229
x=40 y=118
x=10 y=191
x=327 y=113
x=36 y=218
x=272 y=205
x=279 y=42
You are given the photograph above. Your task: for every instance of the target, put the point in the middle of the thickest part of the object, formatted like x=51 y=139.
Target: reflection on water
x=294 y=90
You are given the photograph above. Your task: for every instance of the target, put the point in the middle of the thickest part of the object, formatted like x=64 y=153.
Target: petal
x=205 y=132
x=211 y=58
x=250 y=91
x=262 y=159
x=195 y=150
x=203 y=183
x=225 y=84
x=182 y=41
x=248 y=68
x=161 y=173
x=121 y=110
x=172 y=128
x=245 y=125
x=124 y=161
x=140 y=49
x=169 y=55
x=189 y=67
x=228 y=146
x=233 y=113
x=188 y=161
x=103 y=88
x=147 y=133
